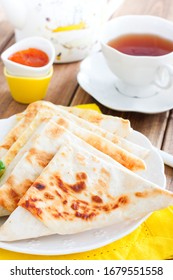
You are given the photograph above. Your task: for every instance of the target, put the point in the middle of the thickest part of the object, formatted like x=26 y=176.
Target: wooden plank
x=63 y=84
x=167 y=146
x=169 y=178
x=168 y=137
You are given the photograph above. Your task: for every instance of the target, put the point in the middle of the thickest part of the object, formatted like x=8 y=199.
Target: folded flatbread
x=82 y=189
x=38 y=151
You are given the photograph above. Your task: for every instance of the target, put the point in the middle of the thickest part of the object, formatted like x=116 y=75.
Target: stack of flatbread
x=69 y=170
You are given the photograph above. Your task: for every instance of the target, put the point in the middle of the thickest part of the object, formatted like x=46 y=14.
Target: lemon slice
x=80 y=25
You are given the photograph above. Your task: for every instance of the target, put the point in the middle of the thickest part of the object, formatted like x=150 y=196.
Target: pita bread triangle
x=79 y=190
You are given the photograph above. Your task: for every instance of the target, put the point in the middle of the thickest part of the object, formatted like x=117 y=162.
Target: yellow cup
x=28 y=89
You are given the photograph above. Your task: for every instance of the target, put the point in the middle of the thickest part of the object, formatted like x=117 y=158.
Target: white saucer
x=96 y=78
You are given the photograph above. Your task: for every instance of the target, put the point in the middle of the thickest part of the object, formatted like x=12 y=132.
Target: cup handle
x=164 y=76
x=112 y=6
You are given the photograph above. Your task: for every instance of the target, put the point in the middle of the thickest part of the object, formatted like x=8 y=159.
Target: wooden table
x=65 y=90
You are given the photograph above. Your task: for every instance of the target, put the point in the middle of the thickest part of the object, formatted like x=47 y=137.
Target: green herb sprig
x=2 y=168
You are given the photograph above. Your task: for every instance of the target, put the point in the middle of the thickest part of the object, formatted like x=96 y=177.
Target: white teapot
x=71 y=25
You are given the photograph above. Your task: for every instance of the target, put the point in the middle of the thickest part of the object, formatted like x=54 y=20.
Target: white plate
x=57 y=244
x=96 y=79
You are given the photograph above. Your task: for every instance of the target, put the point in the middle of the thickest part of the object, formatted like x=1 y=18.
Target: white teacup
x=144 y=75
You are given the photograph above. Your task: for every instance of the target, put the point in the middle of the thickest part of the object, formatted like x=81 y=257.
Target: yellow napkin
x=152 y=240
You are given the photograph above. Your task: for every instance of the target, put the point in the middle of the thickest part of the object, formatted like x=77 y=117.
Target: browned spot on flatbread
x=58 y=194
x=9 y=143
x=83 y=202
x=62 y=122
x=48 y=196
x=105 y=172
x=78 y=187
x=57 y=215
x=11 y=180
x=30 y=206
x=108 y=207
x=61 y=184
x=35 y=199
x=81 y=159
x=81 y=176
x=150 y=193
x=141 y=194
x=97 y=199
x=115 y=140
x=96 y=118
x=75 y=206
x=65 y=213
x=13 y=194
x=55 y=131
x=123 y=200
x=103 y=181
x=41 y=157
x=115 y=206
x=39 y=186
x=85 y=216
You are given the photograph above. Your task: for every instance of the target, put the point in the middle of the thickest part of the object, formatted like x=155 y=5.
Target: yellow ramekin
x=28 y=89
